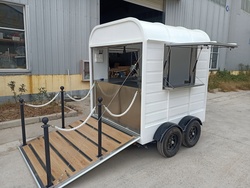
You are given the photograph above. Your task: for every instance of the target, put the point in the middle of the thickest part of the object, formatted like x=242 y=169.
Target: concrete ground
x=221 y=158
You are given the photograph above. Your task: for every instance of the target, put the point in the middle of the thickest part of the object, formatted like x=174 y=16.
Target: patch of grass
x=225 y=81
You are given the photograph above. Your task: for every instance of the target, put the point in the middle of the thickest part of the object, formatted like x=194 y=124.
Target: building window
x=220 y=2
x=84 y=66
x=245 y=5
x=12 y=37
x=214 y=58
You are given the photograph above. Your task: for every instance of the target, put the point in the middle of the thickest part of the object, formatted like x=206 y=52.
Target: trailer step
x=74 y=153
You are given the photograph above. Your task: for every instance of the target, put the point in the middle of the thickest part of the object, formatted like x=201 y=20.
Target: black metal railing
x=21 y=101
x=62 y=106
x=22 y=121
x=46 y=126
x=99 y=127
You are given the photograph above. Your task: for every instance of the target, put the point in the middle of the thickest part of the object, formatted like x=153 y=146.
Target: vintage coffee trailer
x=158 y=73
x=148 y=84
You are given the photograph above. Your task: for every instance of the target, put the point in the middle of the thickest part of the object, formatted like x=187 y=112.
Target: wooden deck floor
x=72 y=151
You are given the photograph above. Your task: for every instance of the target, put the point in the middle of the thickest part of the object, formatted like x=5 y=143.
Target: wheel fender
x=162 y=129
x=187 y=120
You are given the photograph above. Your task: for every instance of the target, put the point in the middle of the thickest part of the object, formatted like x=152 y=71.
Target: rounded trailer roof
x=132 y=30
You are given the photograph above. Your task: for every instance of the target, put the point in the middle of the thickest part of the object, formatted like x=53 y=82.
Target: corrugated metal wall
x=239 y=32
x=58 y=33
x=201 y=14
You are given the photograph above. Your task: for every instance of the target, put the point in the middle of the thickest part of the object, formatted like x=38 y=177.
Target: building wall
x=201 y=14
x=239 y=32
x=57 y=39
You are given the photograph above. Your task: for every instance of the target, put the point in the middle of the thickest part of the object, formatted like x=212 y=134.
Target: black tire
x=170 y=143
x=192 y=134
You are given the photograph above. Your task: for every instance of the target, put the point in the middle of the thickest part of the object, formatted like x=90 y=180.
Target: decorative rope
x=72 y=129
x=119 y=115
x=42 y=105
x=79 y=100
x=107 y=95
x=121 y=86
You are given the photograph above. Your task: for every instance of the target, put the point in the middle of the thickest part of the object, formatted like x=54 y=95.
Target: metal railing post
x=22 y=121
x=99 y=127
x=47 y=151
x=62 y=106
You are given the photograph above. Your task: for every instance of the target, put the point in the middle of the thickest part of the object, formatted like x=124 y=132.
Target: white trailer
x=167 y=67
x=149 y=82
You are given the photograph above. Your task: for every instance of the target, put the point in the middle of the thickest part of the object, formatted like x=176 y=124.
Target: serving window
x=120 y=64
x=179 y=66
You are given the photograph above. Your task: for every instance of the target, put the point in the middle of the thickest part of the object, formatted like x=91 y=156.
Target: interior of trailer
x=117 y=76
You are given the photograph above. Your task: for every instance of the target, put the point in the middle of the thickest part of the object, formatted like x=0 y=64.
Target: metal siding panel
x=71 y=65
x=197 y=106
x=54 y=37
x=78 y=41
x=60 y=36
x=175 y=102
x=189 y=15
x=47 y=37
x=85 y=27
x=40 y=37
x=153 y=77
x=66 y=37
x=155 y=107
x=210 y=18
x=181 y=110
x=156 y=97
x=203 y=15
x=196 y=14
x=32 y=45
x=155 y=117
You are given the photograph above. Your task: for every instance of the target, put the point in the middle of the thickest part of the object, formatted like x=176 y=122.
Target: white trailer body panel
x=158 y=105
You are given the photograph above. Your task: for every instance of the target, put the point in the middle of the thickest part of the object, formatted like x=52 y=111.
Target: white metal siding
x=154 y=66
x=191 y=101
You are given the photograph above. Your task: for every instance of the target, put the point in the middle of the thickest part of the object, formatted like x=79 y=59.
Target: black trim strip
x=75 y=147
x=93 y=142
x=32 y=168
x=104 y=133
x=40 y=160
x=63 y=159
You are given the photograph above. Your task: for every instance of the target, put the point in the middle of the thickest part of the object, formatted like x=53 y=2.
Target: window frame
x=25 y=30
x=190 y=67
x=211 y=58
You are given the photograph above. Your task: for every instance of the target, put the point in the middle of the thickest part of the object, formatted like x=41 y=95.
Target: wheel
x=192 y=134
x=170 y=143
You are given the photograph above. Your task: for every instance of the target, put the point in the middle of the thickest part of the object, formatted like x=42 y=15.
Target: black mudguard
x=187 y=120
x=161 y=131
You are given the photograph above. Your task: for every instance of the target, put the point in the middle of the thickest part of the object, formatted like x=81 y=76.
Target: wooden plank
x=118 y=135
x=37 y=166
x=87 y=147
x=57 y=166
x=92 y=134
x=73 y=151
x=68 y=152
